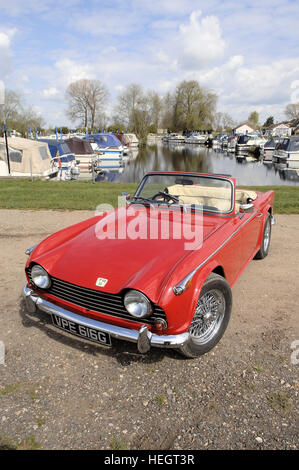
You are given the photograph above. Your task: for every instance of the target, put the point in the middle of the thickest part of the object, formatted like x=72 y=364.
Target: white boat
x=134 y=142
x=249 y=143
x=175 y=138
x=287 y=151
x=107 y=145
x=196 y=138
x=269 y=148
x=231 y=143
x=26 y=158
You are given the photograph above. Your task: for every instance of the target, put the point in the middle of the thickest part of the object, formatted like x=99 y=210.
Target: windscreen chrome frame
x=217 y=177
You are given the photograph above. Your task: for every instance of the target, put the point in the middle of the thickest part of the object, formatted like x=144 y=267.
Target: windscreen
x=202 y=192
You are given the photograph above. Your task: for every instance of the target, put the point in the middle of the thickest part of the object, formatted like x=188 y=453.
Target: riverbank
x=85 y=195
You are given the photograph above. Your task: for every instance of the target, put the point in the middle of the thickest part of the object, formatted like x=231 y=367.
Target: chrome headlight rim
x=137 y=304
x=40 y=277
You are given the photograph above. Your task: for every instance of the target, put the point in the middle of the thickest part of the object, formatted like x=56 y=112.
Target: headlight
x=137 y=304
x=40 y=277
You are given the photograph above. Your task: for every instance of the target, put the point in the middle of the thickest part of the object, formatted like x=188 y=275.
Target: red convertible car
x=157 y=271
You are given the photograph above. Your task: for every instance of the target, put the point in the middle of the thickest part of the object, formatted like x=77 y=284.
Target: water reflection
x=245 y=168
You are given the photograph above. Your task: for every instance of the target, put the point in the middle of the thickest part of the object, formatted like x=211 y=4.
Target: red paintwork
x=154 y=267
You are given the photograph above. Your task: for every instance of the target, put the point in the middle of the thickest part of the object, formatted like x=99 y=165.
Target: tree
x=133 y=111
x=254 y=118
x=156 y=108
x=97 y=97
x=86 y=99
x=193 y=106
x=292 y=111
x=12 y=105
x=223 y=122
x=128 y=102
x=269 y=122
x=18 y=115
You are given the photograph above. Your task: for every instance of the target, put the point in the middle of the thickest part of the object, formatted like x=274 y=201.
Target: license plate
x=80 y=330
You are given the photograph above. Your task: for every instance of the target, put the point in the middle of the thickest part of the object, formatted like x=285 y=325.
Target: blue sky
x=246 y=52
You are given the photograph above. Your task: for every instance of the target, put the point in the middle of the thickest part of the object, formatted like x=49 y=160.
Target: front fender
x=180 y=309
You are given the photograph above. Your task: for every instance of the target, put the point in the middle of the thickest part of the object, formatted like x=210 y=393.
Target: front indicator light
x=160 y=324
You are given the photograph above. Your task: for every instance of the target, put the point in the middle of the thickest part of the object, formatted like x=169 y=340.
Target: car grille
x=102 y=302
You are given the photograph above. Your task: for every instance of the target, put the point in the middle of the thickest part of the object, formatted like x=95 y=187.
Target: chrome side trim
x=144 y=338
x=30 y=250
x=181 y=286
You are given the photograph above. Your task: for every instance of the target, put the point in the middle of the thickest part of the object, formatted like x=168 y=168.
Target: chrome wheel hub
x=208 y=316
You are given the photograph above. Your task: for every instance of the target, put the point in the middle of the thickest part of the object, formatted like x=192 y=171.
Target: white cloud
x=6 y=52
x=68 y=71
x=200 y=41
x=50 y=92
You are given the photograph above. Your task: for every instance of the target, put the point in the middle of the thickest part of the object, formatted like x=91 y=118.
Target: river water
x=161 y=157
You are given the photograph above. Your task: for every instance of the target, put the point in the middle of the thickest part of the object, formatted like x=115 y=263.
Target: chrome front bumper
x=143 y=337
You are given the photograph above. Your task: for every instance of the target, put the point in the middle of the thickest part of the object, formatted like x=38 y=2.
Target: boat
x=134 y=142
x=175 y=138
x=87 y=160
x=269 y=148
x=250 y=143
x=231 y=143
x=125 y=142
x=27 y=158
x=196 y=138
x=287 y=151
x=106 y=144
x=63 y=158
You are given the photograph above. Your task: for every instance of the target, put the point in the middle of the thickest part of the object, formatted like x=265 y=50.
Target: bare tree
x=86 y=99
x=292 y=111
x=97 y=96
x=12 y=105
x=128 y=102
x=77 y=97
x=18 y=115
x=133 y=111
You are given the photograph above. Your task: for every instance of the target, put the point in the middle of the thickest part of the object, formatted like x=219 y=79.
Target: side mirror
x=126 y=196
x=246 y=208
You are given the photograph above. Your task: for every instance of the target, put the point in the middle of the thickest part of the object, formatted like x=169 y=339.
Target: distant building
x=278 y=130
x=281 y=130
x=243 y=128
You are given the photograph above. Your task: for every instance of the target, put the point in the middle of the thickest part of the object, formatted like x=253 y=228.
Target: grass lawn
x=71 y=195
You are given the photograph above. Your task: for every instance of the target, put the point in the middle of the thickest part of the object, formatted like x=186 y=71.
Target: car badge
x=101 y=282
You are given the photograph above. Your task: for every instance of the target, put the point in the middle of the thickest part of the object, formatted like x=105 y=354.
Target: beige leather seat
x=209 y=196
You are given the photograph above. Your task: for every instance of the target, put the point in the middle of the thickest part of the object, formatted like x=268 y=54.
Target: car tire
x=265 y=245
x=210 y=318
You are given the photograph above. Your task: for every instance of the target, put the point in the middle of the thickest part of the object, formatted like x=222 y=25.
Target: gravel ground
x=58 y=392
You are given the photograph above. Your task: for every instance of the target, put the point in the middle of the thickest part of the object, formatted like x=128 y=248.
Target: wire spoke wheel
x=208 y=316
x=267 y=234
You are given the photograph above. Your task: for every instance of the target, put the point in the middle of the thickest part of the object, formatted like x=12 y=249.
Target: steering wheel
x=166 y=197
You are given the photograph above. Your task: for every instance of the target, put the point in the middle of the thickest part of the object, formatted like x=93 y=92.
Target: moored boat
x=26 y=158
